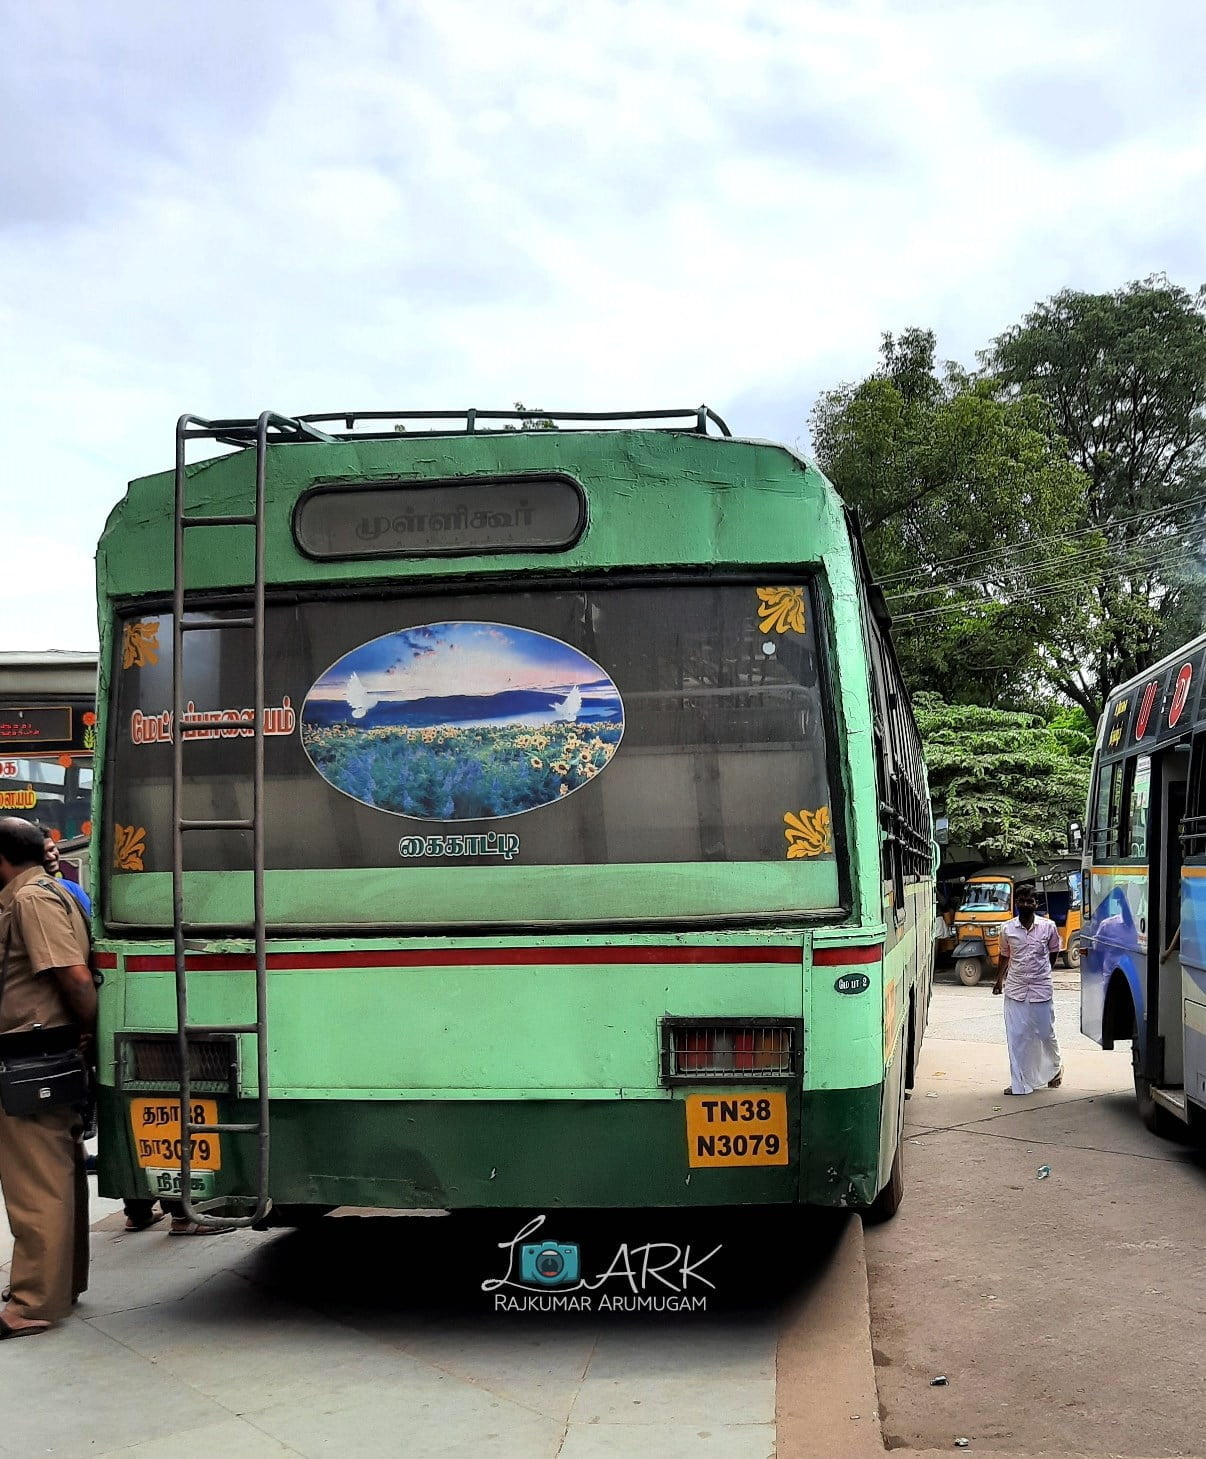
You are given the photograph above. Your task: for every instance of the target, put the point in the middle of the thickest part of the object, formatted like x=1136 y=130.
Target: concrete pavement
x=371 y=1337
x=1067 y=1313
x=244 y=1345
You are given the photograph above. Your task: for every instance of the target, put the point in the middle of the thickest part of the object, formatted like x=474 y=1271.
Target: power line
x=966 y=609
x=982 y=555
x=1018 y=570
x=1034 y=594
x=968 y=558
x=1144 y=562
x=1070 y=561
x=1094 y=561
x=1052 y=590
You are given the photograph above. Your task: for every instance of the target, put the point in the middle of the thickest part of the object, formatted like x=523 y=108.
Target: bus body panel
x=1193 y=964
x=1115 y=948
x=486 y=1153
x=342 y=1097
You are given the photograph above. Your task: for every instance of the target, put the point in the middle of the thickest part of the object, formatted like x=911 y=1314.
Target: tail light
x=702 y=1051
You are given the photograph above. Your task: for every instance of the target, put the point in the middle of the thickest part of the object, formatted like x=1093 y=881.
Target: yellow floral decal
x=129 y=847
x=781 y=610
x=140 y=644
x=808 y=833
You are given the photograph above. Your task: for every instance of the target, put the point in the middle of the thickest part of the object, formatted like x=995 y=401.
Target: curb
x=826 y=1398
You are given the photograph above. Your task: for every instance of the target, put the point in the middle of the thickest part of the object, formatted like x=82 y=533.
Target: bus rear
x=565 y=866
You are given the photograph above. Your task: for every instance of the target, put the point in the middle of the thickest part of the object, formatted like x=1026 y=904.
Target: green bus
x=500 y=812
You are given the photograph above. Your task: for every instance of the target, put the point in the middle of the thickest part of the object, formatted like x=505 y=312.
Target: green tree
x=1009 y=783
x=534 y=421
x=961 y=496
x=1122 y=377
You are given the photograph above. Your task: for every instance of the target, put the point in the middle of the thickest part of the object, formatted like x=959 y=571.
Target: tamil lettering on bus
x=156 y=728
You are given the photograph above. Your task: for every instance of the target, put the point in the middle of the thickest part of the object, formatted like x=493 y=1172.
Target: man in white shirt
x=1029 y=947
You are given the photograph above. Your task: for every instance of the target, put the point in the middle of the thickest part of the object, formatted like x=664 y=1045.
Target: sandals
x=132 y=1225
x=182 y=1227
x=1057 y=1081
x=30 y=1329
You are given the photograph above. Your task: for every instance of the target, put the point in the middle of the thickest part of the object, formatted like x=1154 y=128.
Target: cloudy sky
x=456 y=659
x=314 y=204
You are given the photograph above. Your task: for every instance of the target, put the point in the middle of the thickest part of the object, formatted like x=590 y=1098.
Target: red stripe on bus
x=844 y=957
x=467 y=957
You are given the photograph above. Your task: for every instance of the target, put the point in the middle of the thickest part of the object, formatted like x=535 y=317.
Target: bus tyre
x=1072 y=954
x=969 y=971
x=887 y=1203
x=1157 y=1119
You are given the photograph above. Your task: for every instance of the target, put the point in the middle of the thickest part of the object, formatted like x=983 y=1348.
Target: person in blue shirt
x=50 y=860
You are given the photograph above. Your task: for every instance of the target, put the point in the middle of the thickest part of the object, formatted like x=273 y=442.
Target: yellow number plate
x=737 y=1129
x=156 y=1125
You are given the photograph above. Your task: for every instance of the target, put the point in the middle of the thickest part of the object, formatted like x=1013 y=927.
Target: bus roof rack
x=388 y=424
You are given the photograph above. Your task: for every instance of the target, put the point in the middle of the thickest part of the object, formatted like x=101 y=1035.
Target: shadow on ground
x=747 y=1264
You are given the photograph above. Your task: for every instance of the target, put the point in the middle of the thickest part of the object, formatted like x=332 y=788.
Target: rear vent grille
x=152 y=1061
x=700 y=1051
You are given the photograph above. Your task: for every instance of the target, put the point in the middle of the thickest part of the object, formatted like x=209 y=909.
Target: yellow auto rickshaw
x=988 y=903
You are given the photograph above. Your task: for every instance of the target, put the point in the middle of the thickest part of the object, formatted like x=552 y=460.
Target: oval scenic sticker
x=852 y=983
x=462 y=721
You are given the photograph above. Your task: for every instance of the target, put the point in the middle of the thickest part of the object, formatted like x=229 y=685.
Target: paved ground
x=1068 y=1314
x=372 y=1337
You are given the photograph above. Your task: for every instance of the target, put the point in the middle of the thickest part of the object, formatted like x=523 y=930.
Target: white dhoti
x=1033 y=1048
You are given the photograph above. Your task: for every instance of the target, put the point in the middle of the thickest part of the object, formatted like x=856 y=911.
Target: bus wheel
x=887 y=1203
x=969 y=971
x=1157 y=1119
x=1072 y=954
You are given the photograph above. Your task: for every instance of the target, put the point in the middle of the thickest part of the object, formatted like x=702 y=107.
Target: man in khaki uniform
x=47 y=986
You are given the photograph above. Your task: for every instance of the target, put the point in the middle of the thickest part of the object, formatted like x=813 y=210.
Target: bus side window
x=881 y=786
x=898 y=847
x=1138 y=789
x=1099 y=845
x=1114 y=841
x=1193 y=830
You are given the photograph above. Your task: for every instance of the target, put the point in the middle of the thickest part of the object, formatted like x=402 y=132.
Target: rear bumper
x=462 y=1154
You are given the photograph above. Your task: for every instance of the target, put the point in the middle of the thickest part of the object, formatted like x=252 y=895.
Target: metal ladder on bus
x=190 y=427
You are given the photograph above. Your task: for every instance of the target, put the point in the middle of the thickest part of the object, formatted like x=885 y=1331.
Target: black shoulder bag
x=41 y=1068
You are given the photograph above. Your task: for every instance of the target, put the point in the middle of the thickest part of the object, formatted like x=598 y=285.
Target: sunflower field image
x=462 y=721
